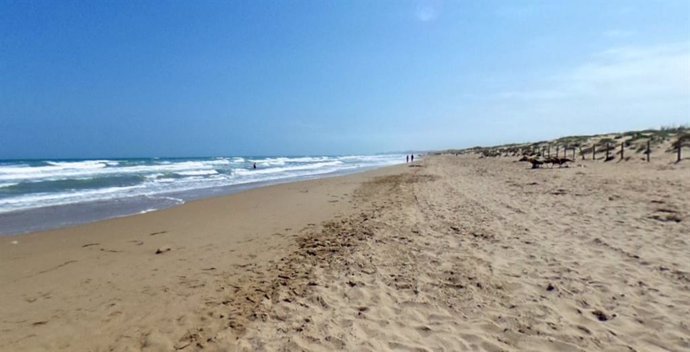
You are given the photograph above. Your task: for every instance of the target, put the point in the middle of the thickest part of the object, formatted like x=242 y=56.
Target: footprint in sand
x=600 y=315
x=666 y=215
x=163 y=249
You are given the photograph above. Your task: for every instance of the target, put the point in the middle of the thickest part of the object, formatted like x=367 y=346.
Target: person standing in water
x=254 y=166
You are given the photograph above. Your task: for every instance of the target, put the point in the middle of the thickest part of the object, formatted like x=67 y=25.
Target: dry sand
x=454 y=254
x=103 y=287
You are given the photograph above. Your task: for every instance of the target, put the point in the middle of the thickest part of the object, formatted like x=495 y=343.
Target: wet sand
x=456 y=253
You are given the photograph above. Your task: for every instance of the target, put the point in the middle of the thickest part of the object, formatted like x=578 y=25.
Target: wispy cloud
x=618 y=33
x=428 y=10
x=623 y=73
x=645 y=73
x=426 y=14
x=622 y=87
x=515 y=11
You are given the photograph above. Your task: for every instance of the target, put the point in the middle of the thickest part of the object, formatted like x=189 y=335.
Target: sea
x=40 y=195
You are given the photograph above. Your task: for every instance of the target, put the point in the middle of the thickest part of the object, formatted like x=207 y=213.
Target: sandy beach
x=454 y=253
x=403 y=176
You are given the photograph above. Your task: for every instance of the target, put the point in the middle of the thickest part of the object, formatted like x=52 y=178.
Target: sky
x=87 y=79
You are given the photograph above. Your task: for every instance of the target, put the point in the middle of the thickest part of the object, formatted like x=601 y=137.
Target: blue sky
x=197 y=78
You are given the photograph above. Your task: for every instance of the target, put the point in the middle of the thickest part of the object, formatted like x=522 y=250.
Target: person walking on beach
x=407 y=158
x=412 y=158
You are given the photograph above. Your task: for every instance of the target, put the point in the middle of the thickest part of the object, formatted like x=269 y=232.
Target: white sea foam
x=29 y=201
x=61 y=172
x=197 y=172
x=219 y=161
x=173 y=199
x=166 y=176
x=87 y=164
x=277 y=170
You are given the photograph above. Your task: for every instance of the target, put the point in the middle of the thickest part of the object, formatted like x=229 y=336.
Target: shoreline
x=153 y=274
x=71 y=215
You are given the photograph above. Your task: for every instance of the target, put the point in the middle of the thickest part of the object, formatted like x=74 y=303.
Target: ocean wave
x=73 y=184
x=29 y=201
x=280 y=161
x=87 y=164
x=277 y=170
x=197 y=172
x=64 y=172
x=25 y=170
x=35 y=184
x=219 y=161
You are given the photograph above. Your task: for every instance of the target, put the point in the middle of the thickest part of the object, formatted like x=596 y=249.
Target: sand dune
x=455 y=254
